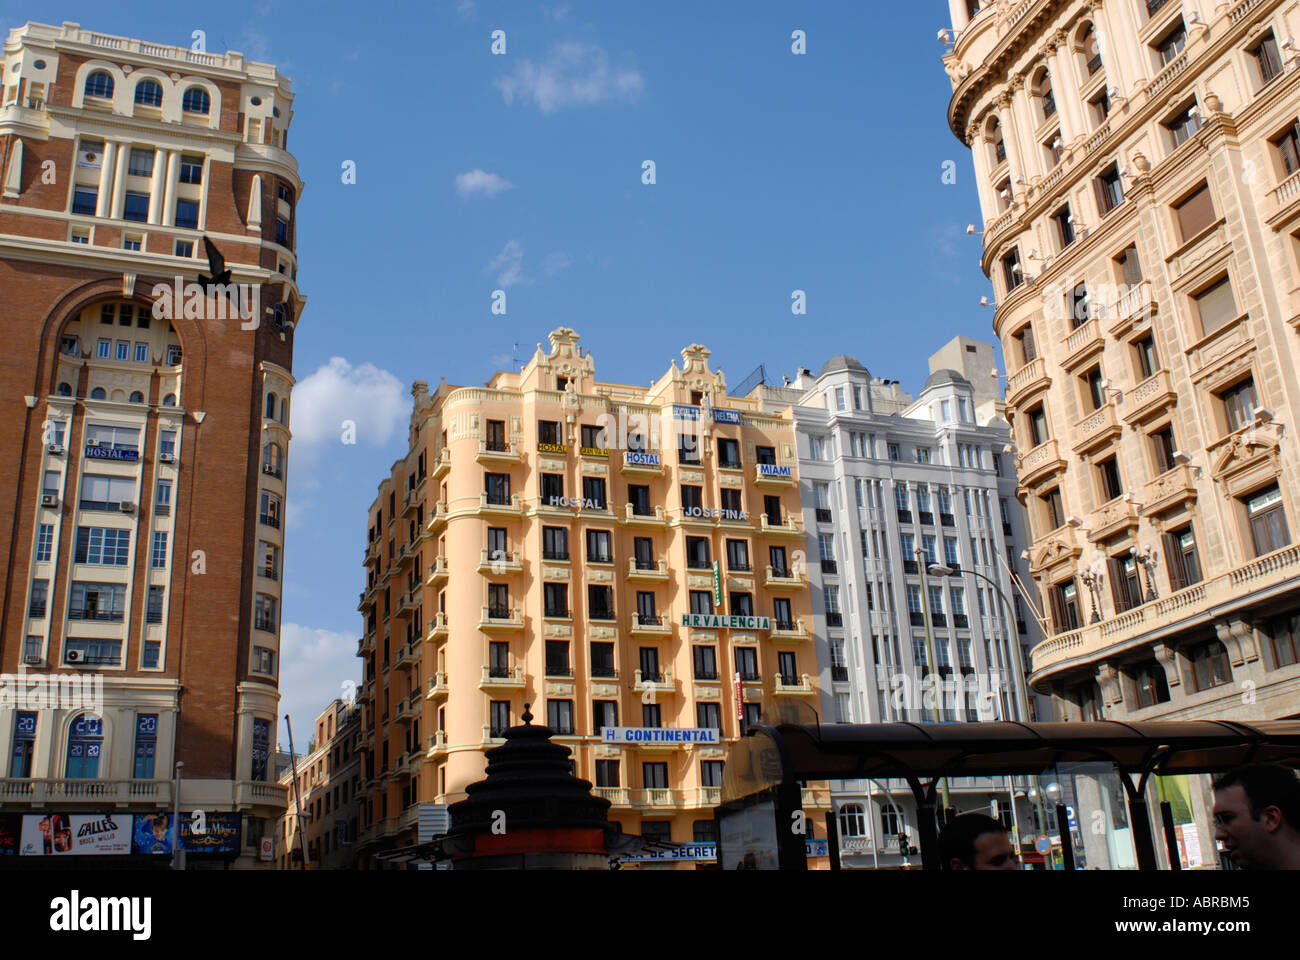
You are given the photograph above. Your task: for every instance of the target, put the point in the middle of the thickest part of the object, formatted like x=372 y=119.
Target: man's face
x=992 y=852
x=1248 y=841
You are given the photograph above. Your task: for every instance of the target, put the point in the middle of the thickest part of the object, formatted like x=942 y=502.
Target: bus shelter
x=760 y=823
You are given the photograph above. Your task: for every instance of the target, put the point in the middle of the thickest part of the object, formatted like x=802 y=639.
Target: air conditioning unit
x=55 y=449
x=166 y=458
x=73 y=656
x=126 y=506
x=33 y=658
x=49 y=500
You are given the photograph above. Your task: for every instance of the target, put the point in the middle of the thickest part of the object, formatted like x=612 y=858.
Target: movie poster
x=153 y=833
x=78 y=835
x=10 y=827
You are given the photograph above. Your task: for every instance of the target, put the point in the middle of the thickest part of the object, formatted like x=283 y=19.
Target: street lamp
x=178 y=848
x=929 y=655
x=943 y=570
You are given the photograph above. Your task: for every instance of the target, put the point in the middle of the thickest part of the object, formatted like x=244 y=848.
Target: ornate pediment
x=566 y=359
x=1056 y=550
x=1245 y=452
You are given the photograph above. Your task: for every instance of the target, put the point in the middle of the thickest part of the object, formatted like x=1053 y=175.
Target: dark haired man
x=1257 y=816
x=975 y=841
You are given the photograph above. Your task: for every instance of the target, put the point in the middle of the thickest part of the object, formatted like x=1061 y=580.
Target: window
x=196 y=100
x=701 y=601
x=140 y=163
x=24 y=746
x=705 y=662
x=552 y=488
x=1173 y=44
x=600 y=602
x=1267 y=516
x=1094 y=393
x=1288 y=150
x=1126 y=588
x=651 y=713
x=148 y=93
x=1195 y=213
x=753 y=713
x=1285 y=634
x=747 y=663
x=776 y=557
x=1012 y=273
x=1148 y=361
x=639 y=497
x=604 y=713
x=104 y=602
x=97 y=545
x=655 y=777
x=1065 y=606
x=738 y=555
x=40 y=591
x=499 y=717
x=1216 y=306
x=697 y=553
x=99 y=84
x=742 y=604
x=853 y=821
x=643 y=553
x=187 y=214
x=1110 y=190
x=264 y=613
x=598 y=549
x=136 y=208
x=692 y=497
x=192 y=170
x=782 y=615
x=999 y=144
x=146 y=745
x=497 y=488
x=85 y=742
x=1046 y=99
x=1210 y=665
x=1064 y=226
x=1239 y=404
x=1037 y=420
x=154 y=610
x=84 y=201
x=602 y=660
x=708 y=716
x=548 y=433
x=123 y=346
x=1028 y=349
x=1108 y=475
x=559 y=716
x=557 y=659
x=1180 y=553
x=269 y=510
x=271 y=456
x=1267 y=60
x=498 y=601
x=607 y=773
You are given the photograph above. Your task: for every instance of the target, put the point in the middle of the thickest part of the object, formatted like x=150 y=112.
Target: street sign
x=1043 y=845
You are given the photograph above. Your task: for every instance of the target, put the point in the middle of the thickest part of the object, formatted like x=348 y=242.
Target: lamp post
x=178 y=849
x=1093 y=578
x=929 y=656
x=942 y=570
x=1147 y=560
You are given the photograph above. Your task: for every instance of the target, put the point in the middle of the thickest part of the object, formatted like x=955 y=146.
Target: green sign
x=718 y=621
x=717 y=583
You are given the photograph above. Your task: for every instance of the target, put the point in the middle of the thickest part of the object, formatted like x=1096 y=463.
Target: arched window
x=99 y=84
x=853 y=820
x=65 y=390
x=1043 y=92
x=169 y=400
x=284 y=411
x=998 y=143
x=891 y=822
x=137 y=396
x=196 y=100
x=98 y=394
x=149 y=93
x=85 y=743
x=270 y=406
x=271 y=459
x=1091 y=50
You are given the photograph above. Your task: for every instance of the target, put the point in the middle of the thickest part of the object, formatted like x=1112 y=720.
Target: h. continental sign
x=717 y=621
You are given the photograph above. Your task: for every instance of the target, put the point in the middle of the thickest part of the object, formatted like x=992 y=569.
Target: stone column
x=1061 y=92
x=1123 y=37
x=1111 y=40
x=173 y=180
x=158 y=186
x=104 y=203
x=960 y=14
x=1022 y=120
x=119 y=183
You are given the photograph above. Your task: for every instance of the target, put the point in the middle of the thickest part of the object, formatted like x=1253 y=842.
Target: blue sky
x=775 y=172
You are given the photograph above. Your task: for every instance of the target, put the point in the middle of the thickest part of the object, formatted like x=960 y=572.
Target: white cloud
x=510 y=261
x=467 y=9
x=316 y=666
x=556 y=262
x=557 y=13
x=371 y=398
x=574 y=74
x=480 y=181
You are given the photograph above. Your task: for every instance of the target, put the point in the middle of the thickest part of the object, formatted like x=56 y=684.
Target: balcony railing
x=501 y=617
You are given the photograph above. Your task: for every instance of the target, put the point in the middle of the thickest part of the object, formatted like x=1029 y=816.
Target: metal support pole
x=297 y=797
x=178 y=843
x=1171 y=837
x=929 y=653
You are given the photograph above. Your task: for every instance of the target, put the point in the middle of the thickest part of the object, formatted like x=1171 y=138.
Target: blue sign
x=112 y=453
x=709 y=851
x=645 y=459
x=726 y=416
x=773 y=470
x=685 y=413
x=660 y=735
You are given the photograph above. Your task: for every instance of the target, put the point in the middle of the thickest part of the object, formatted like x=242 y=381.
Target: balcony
x=437 y=688
x=617 y=796
x=658 y=571
x=789 y=631
x=442 y=465
x=1082 y=343
x=834 y=619
x=511 y=678
x=1029 y=379
x=439 y=517
x=649 y=626
x=501 y=618
x=790 y=527
x=1111 y=518
x=438 y=627
x=501 y=565
x=437 y=745
x=495 y=506
x=654 y=518
x=1042 y=460
x=1168 y=490
x=497 y=454
x=438 y=572
x=823 y=515
x=1096 y=429
x=799 y=686
x=1150 y=398
x=706 y=797
x=642 y=463
x=774 y=475
x=39 y=792
x=662 y=683
x=1135 y=305
x=404 y=713
x=654 y=798
x=405 y=659
x=1219 y=595
x=839 y=673
x=784 y=579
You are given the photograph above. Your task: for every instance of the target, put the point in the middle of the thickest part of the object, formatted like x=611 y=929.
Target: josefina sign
x=717 y=621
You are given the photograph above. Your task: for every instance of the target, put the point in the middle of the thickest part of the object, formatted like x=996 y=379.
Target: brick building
x=145 y=436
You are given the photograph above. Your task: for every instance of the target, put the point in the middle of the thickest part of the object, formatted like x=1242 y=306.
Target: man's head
x=1257 y=816
x=975 y=841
